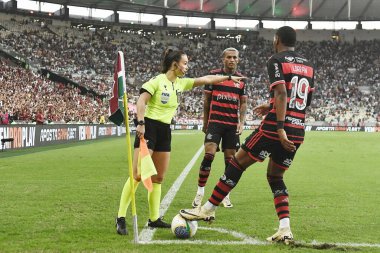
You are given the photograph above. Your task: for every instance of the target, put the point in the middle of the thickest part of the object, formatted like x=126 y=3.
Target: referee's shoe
x=121 y=226
x=159 y=223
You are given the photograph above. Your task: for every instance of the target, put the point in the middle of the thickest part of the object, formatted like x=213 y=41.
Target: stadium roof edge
x=311 y=10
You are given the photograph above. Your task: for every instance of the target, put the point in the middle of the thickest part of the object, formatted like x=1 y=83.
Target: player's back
x=297 y=73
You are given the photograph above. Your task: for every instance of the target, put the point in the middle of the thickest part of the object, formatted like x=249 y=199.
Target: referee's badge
x=165 y=97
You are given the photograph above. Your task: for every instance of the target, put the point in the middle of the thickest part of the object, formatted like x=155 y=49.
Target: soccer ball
x=183 y=229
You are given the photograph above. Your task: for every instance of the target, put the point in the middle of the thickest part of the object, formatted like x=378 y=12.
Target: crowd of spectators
x=27 y=97
x=347 y=74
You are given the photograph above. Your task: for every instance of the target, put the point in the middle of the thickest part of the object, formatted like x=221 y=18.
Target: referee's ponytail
x=170 y=56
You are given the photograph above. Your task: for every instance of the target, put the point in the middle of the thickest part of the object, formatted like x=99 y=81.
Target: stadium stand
x=347 y=73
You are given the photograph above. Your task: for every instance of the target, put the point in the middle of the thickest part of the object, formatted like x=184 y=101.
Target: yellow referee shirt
x=165 y=96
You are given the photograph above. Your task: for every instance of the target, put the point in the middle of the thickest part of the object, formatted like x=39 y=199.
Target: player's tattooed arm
x=206 y=110
x=242 y=114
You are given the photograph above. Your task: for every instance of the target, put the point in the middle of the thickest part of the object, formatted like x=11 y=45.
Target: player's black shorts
x=217 y=132
x=158 y=136
x=260 y=147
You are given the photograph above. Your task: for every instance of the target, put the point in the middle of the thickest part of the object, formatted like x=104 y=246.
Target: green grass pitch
x=65 y=198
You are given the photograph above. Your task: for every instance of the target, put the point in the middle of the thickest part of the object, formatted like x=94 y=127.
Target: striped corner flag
x=145 y=166
x=119 y=87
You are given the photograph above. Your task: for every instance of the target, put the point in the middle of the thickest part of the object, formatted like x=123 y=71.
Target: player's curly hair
x=170 y=56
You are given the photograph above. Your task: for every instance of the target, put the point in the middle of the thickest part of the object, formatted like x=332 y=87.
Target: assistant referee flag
x=146 y=166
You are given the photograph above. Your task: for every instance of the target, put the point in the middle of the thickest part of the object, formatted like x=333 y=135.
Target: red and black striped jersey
x=225 y=99
x=297 y=74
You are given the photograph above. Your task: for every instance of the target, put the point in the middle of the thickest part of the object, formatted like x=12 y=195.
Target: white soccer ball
x=183 y=229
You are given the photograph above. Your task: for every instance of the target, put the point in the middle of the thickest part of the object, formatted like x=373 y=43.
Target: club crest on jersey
x=165 y=97
x=289 y=58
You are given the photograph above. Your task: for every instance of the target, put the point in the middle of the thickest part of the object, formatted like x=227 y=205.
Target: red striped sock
x=227 y=182
x=205 y=169
x=281 y=204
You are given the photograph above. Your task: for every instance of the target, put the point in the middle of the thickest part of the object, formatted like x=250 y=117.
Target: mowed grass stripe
x=65 y=199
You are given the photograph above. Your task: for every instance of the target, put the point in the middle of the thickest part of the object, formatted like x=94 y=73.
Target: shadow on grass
x=324 y=246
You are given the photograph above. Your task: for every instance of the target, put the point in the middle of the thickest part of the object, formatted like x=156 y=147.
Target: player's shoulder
x=237 y=73
x=292 y=57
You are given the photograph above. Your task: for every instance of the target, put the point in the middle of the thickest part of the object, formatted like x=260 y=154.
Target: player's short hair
x=287 y=36
x=229 y=49
x=170 y=56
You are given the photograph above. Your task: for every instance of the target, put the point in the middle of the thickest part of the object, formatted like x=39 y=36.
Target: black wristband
x=141 y=122
x=280 y=125
x=229 y=78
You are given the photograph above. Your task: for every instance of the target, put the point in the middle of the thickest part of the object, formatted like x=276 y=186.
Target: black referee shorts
x=157 y=135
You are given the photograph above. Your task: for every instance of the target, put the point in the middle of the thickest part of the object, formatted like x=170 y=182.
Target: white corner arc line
x=147 y=233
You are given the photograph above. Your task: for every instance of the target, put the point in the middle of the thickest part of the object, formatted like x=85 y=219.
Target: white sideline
x=147 y=233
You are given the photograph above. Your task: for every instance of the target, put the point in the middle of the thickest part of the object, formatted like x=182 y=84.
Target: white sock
x=284 y=223
x=209 y=206
x=201 y=190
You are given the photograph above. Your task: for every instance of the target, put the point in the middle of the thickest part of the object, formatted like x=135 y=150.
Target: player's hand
x=240 y=128
x=286 y=144
x=237 y=79
x=261 y=110
x=204 y=128
x=140 y=131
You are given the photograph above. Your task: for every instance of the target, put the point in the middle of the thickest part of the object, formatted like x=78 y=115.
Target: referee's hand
x=237 y=79
x=140 y=131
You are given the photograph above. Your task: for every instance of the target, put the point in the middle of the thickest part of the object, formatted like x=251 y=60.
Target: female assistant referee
x=156 y=107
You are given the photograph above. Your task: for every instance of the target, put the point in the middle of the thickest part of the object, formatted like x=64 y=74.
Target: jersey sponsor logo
x=300 y=60
x=165 y=97
x=295 y=121
x=289 y=58
x=287 y=162
x=224 y=97
x=264 y=154
x=277 y=73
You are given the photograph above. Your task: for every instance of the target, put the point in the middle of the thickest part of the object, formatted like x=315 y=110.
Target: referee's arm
x=213 y=79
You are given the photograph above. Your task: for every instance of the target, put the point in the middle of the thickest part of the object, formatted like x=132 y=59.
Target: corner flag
x=146 y=166
x=118 y=115
x=119 y=87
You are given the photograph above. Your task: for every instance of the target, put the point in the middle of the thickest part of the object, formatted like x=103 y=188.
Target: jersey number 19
x=299 y=89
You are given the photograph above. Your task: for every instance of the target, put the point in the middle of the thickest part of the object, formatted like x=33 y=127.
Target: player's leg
x=211 y=143
x=161 y=162
x=226 y=183
x=230 y=144
x=246 y=156
x=278 y=164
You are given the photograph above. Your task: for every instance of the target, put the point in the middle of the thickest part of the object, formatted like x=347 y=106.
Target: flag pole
x=129 y=153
